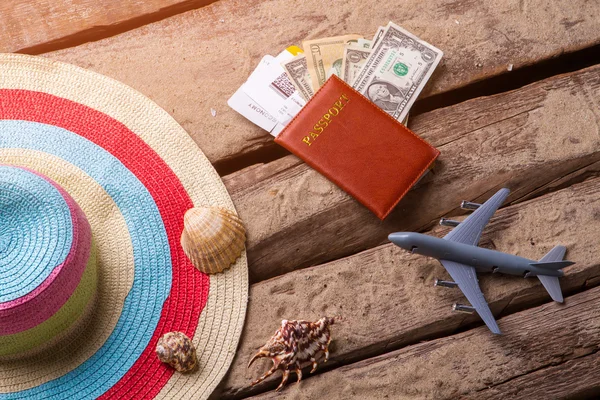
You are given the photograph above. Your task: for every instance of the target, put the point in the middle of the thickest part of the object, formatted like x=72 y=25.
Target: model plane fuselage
x=482 y=259
x=461 y=256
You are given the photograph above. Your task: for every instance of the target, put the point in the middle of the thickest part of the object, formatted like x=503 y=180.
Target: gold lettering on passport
x=325 y=120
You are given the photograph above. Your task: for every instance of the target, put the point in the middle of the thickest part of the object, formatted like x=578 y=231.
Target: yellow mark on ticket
x=295 y=50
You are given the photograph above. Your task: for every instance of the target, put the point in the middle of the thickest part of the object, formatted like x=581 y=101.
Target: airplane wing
x=466 y=277
x=469 y=231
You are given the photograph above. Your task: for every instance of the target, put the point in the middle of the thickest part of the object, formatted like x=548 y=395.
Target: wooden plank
x=244 y=179
x=37 y=26
x=466 y=364
x=195 y=61
x=574 y=379
x=541 y=136
x=386 y=296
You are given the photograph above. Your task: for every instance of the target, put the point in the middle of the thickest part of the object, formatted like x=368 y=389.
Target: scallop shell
x=177 y=350
x=213 y=238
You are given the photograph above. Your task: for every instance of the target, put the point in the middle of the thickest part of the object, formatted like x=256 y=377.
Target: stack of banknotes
x=390 y=69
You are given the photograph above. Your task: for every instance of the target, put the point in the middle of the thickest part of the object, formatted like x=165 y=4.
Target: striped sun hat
x=94 y=181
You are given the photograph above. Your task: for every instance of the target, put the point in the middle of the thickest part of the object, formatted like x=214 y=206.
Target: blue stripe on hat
x=36 y=231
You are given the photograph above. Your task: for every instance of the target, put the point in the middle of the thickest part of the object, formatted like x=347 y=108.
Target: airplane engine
x=463 y=308
x=468 y=205
x=449 y=222
x=448 y=284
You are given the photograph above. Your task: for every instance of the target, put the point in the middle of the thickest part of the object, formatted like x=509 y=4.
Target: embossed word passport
x=358 y=146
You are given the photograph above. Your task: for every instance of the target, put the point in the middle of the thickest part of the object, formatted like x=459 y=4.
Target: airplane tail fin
x=553 y=264
x=553 y=260
x=552 y=287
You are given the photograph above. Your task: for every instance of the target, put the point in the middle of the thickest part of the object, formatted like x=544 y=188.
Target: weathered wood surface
x=33 y=25
x=475 y=364
x=195 y=61
x=387 y=299
x=574 y=379
x=539 y=136
x=538 y=140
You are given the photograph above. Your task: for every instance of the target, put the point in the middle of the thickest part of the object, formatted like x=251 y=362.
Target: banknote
x=353 y=62
x=377 y=36
x=397 y=70
x=364 y=43
x=324 y=57
x=297 y=70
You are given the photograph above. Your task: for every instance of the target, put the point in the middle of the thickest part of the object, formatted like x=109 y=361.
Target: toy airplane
x=459 y=253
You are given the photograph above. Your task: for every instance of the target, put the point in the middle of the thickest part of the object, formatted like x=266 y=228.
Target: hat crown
x=45 y=247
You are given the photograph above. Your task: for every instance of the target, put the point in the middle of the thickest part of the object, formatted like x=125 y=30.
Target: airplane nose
x=400 y=239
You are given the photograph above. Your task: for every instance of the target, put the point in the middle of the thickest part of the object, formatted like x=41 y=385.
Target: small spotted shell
x=213 y=238
x=177 y=350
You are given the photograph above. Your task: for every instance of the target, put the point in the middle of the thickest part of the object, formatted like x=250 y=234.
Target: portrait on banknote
x=385 y=95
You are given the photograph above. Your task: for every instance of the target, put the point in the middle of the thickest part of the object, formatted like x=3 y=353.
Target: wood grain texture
x=387 y=299
x=195 y=61
x=574 y=379
x=467 y=364
x=32 y=26
x=540 y=136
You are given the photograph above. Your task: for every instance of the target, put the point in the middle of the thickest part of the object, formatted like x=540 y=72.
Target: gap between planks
x=387 y=298
x=536 y=139
x=570 y=379
x=546 y=352
x=81 y=21
x=505 y=82
x=177 y=61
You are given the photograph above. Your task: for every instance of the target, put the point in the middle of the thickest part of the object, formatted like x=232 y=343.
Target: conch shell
x=177 y=350
x=213 y=238
x=293 y=344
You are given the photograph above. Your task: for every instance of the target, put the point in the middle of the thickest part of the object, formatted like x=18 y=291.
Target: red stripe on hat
x=189 y=290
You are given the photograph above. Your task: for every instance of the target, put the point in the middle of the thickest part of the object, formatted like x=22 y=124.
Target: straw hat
x=96 y=178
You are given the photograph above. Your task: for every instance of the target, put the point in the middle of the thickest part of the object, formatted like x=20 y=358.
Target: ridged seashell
x=177 y=350
x=293 y=344
x=213 y=238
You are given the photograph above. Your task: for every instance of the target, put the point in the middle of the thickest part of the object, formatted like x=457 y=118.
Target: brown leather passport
x=358 y=146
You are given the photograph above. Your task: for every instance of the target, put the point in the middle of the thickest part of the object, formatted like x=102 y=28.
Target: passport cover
x=358 y=146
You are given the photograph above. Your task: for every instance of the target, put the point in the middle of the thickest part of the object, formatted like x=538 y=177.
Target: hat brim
x=134 y=171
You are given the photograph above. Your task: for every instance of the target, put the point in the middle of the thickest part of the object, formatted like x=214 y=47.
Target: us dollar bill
x=364 y=43
x=324 y=57
x=377 y=36
x=297 y=70
x=397 y=70
x=353 y=62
